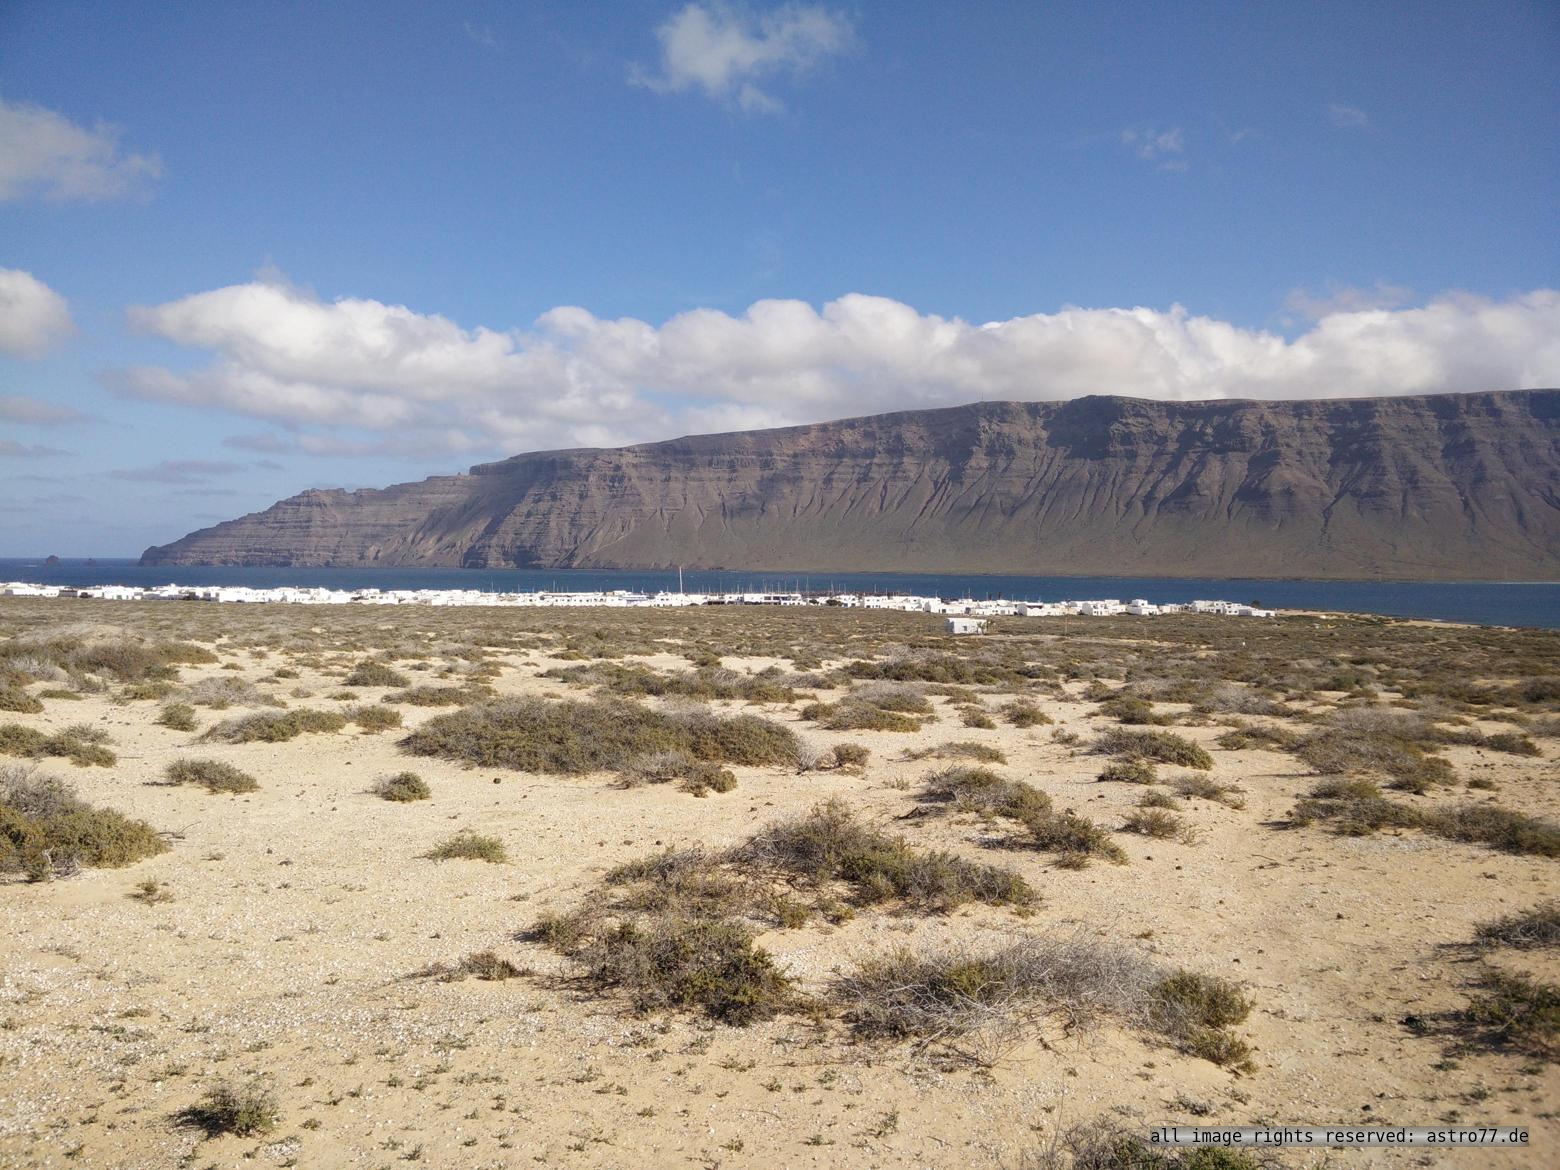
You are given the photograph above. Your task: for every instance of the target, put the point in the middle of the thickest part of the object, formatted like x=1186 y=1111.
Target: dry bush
x=1131 y=709
x=699 y=777
x=1023 y=713
x=710 y=682
x=242 y=1110
x=221 y=693
x=213 y=775
x=1207 y=788
x=534 y=735
x=850 y=755
x=428 y=696
x=1159 y=823
x=80 y=743
x=177 y=716
x=1235 y=699
x=469 y=846
x=1517 y=1011
x=828 y=844
x=849 y=716
x=277 y=727
x=963 y=749
x=372 y=673
x=1075 y=839
x=18 y=700
x=1258 y=735
x=984 y=791
x=689 y=964
x=1107 y=1145
x=1163 y=747
x=46 y=830
x=1129 y=772
x=372 y=717
x=964 y=989
x=977 y=717
x=1338 y=751
x=403 y=788
x=1158 y=800
x=1526 y=929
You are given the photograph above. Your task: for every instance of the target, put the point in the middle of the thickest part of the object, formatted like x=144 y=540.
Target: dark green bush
x=178 y=716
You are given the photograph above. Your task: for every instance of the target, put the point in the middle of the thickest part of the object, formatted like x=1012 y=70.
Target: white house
x=965 y=625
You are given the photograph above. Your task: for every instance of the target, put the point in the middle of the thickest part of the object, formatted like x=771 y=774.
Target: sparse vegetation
x=1024 y=713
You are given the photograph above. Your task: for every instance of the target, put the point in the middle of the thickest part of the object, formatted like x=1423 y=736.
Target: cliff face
x=1446 y=486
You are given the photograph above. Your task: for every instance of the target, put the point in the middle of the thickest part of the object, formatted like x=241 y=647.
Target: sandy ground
x=302 y=911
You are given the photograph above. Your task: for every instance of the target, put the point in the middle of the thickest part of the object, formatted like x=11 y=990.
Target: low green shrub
x=177 y=716
x=275 y=727
x=243 y=1110
x=375 y=674
x=1023 y=713
x=535 y=735
x=212 y=775
x=469 y=846
x=20 y=701
x=403 y=788
x=372 y=717
x=1163 y=747
x=1129 y=772
x=1517 y=1011
x=47 y=830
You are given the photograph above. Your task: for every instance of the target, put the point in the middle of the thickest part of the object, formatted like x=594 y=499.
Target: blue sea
x=1484 y=602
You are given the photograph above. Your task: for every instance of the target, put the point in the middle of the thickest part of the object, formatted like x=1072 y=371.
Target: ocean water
x=1484 y=602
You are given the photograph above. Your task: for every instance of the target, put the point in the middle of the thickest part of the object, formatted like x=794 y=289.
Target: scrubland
x=754 y=887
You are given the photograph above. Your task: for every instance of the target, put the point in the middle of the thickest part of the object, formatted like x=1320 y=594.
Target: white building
x=965 y=625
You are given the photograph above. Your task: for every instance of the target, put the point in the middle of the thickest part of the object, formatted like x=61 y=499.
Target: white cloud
x=1348 y=117
x=32 y=315
x=725 y=51
x=1164 y=148
x=361 y=377
x=45 y=153
x=19 y=408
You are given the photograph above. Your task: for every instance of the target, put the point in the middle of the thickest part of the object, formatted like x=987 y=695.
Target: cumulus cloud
x=19 y=408
x=726 y=51
x=1348 y=117
x=177 y=471
x=359 y=377
x=33 y=317
x=43 y=153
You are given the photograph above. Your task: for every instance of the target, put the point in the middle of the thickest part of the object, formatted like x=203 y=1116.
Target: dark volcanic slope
x=1448 y=486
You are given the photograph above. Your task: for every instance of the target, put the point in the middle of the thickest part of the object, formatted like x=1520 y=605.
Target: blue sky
x=251 y=248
